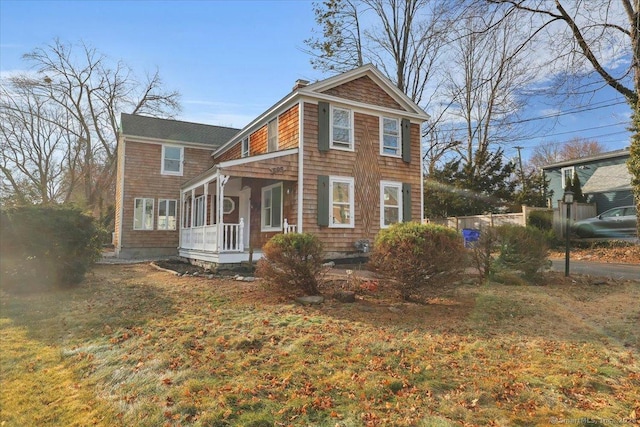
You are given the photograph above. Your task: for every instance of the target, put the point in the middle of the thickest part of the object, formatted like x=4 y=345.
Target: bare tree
x=35 y=154
x=553 y=152
x=86 y=92
x=483 y=80
x=402 y=38
x=339 y=48
x=586 y=34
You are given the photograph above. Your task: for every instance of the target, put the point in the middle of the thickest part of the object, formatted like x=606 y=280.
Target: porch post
x=181 y=223
x=193 y=205
x=206 y=208
x=222 y=239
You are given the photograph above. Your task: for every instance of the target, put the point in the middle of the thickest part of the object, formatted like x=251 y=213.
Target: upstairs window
x=172 y=158
x=143 y=214
x=390 y=137
x=245 y=147
x=567 y=176
x=272 y=135
x=341 y=128
x=167 y=214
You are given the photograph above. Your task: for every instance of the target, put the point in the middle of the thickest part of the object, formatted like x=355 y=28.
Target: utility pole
x=524 y=184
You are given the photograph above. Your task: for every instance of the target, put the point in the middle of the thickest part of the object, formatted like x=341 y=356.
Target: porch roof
x=281 y=165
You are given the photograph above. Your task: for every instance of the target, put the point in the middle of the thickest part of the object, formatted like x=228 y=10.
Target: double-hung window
x=272 y=135
x=390 y=203
x=172 y=158
x=143 y=214
x=167 y=214
x=272 y=208
x=390 y=137
x=341 y=206
x=245 y=147
x=341 y=128
x=567 y=176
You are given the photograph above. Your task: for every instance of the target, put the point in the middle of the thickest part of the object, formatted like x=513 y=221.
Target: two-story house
x=339 y=158
x=604 y=178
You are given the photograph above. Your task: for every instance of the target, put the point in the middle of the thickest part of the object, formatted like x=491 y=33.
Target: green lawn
x=135 y=346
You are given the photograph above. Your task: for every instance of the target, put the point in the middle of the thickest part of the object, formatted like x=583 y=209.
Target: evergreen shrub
x=523 y=249
x=43 y=246
x=292 y=261
x=418 y=256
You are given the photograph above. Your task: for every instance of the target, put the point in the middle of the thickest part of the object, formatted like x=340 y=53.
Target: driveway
x=603 y=269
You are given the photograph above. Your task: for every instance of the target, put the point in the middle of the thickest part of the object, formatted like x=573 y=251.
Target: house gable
x=365 y=90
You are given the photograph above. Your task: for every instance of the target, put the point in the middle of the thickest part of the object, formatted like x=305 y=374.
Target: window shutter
x=406 y=140
x=323 y=126
x=276 y=206
x=406 y=202
x=323 y=200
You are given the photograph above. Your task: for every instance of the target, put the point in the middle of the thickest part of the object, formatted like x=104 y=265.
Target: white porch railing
x=288 y=228
x=205 y=238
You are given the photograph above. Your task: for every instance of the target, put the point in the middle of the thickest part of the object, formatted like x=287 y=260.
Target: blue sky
x=230 y=60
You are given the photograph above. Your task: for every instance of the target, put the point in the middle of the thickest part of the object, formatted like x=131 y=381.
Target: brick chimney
x=300 y=83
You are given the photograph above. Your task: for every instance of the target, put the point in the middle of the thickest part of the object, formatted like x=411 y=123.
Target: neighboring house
x=339 y=158
x=604 y=178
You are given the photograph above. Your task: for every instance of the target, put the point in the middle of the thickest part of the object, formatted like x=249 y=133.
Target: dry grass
x=135 y=346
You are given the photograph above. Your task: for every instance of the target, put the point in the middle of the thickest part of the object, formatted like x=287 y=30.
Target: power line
x=591 y=107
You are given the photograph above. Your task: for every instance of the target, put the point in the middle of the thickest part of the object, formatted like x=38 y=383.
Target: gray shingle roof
x=175 y=130
x=608 y=178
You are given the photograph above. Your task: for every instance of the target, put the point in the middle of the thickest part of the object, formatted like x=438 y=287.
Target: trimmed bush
x=523 y=249
x=46 y=246
x=418 y=256
x=292 y=261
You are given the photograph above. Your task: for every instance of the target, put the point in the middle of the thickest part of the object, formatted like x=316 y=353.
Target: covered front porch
x=229 y=212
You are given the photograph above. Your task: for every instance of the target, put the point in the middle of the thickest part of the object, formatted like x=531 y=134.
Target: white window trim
x=351 y=131
x=144 y=205
x=570 y=168
x=399 y=148
x=175 y=213
x=166 y=172
x=245 y=153
x=383 y=185
x=277 y=121
x=350 y=181
x=262 y=215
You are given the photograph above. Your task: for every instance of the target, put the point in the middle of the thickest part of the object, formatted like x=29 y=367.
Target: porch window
x=341 y=202
x=199 y=211
x=341 y=128
x=390 y=137
x=143 y=214
x=390 y=203
x=228 y=205
x=167 y=214
x=245 y=147
x=172 y=158
x=272 y=135
x=272 y=208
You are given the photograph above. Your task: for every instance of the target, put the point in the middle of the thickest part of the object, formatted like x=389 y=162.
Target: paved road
x=604 y=269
